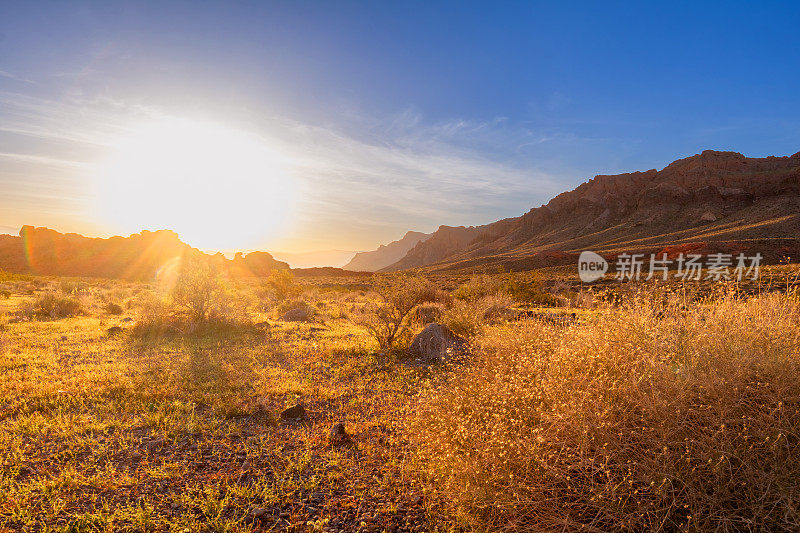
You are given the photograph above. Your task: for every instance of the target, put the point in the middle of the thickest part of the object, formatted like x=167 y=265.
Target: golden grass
x=179 y=431
x=658 y=410
x=645 y=417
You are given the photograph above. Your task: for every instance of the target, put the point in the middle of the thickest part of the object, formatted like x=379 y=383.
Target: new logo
x=591 y=266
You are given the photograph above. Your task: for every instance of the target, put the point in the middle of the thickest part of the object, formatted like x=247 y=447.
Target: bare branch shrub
x=396 y=296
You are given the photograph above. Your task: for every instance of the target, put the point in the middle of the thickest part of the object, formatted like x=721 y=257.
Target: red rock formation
x=137 y=257
x=751 y=198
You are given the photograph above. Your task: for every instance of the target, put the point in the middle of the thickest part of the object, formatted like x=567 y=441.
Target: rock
x=257 y=513
x=26 y=471
x=339 y=435
x=436 y=343
x=127 y=319
x=298 y=314
x=296 y=412
x=114 y=330
x=708 y=216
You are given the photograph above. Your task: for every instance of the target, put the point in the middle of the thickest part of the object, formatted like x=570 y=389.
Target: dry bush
x=509 y=284
x=468 y=317
x=204 y=291
x=428 y=312
x=464 y=318
x=202 y=299
x=281 y=285
x=113 y=308
x=387 y=318
x=496 y=307
x=478 y=286
x=56 y=304
x=642 y=418
x=154 y=312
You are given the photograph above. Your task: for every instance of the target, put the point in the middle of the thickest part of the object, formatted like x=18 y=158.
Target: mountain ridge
x=713 y=196
x=140 y=256
x=386 y=254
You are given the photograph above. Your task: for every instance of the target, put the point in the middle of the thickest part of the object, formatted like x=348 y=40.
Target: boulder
x=708 y=216
x=296 y=412
x=339 y=435
x=437 y=343
x=298 y=314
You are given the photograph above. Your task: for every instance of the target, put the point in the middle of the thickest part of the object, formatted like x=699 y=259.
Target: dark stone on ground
x=296 y=412
x=339 y=435
x=437 y=344
x=298 y=314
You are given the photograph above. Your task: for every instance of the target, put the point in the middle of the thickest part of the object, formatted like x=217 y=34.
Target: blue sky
x=392 y=115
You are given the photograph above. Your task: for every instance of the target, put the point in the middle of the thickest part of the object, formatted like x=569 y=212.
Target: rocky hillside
x=138 y=257
x=713 y=197
x=386 y=254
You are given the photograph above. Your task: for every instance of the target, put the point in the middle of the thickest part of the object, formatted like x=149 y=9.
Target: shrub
x=201 y=290
x=468 y=317
x=288 y=305
x=509 y=284
x=282 y=286
x=638 y=419
x=429 y=312
x=478 y=286
x=497 y=307
x=155 y=313
x=397 y=295
x=464 y=318
x=52 y=304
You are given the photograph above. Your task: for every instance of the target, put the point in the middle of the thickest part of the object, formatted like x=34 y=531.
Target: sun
x=219 y=188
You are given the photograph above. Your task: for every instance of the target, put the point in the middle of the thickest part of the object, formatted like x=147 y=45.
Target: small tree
x=200 y=288
x=282 y=285
x=398 y=294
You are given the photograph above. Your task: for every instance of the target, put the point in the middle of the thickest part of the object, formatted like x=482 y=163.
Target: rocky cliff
x=708 y=197
x=45 y=251
x=386 y=254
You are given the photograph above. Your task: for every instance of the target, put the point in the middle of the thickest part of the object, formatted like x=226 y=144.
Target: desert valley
x=386 y=267
x=148 y=385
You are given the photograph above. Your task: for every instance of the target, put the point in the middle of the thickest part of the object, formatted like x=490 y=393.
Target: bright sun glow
x=217 y=187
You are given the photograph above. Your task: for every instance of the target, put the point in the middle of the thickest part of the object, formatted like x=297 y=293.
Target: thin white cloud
x=394 y=174
x=10 y=76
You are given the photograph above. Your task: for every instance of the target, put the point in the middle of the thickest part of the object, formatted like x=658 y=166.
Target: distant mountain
x=320 y=258
x=716 y=200
x=8 y=230
x=138 y=257
x=386 y=254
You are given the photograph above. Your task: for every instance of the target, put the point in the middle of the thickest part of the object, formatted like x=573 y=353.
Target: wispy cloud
x=10 y=76
x=362 y=186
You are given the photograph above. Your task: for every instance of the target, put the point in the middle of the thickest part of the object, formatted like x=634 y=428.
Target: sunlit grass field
x=655 y=408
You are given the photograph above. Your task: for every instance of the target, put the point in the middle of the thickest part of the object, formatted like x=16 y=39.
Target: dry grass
x=656 y=411
x=641 y=418
x=179 y=431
